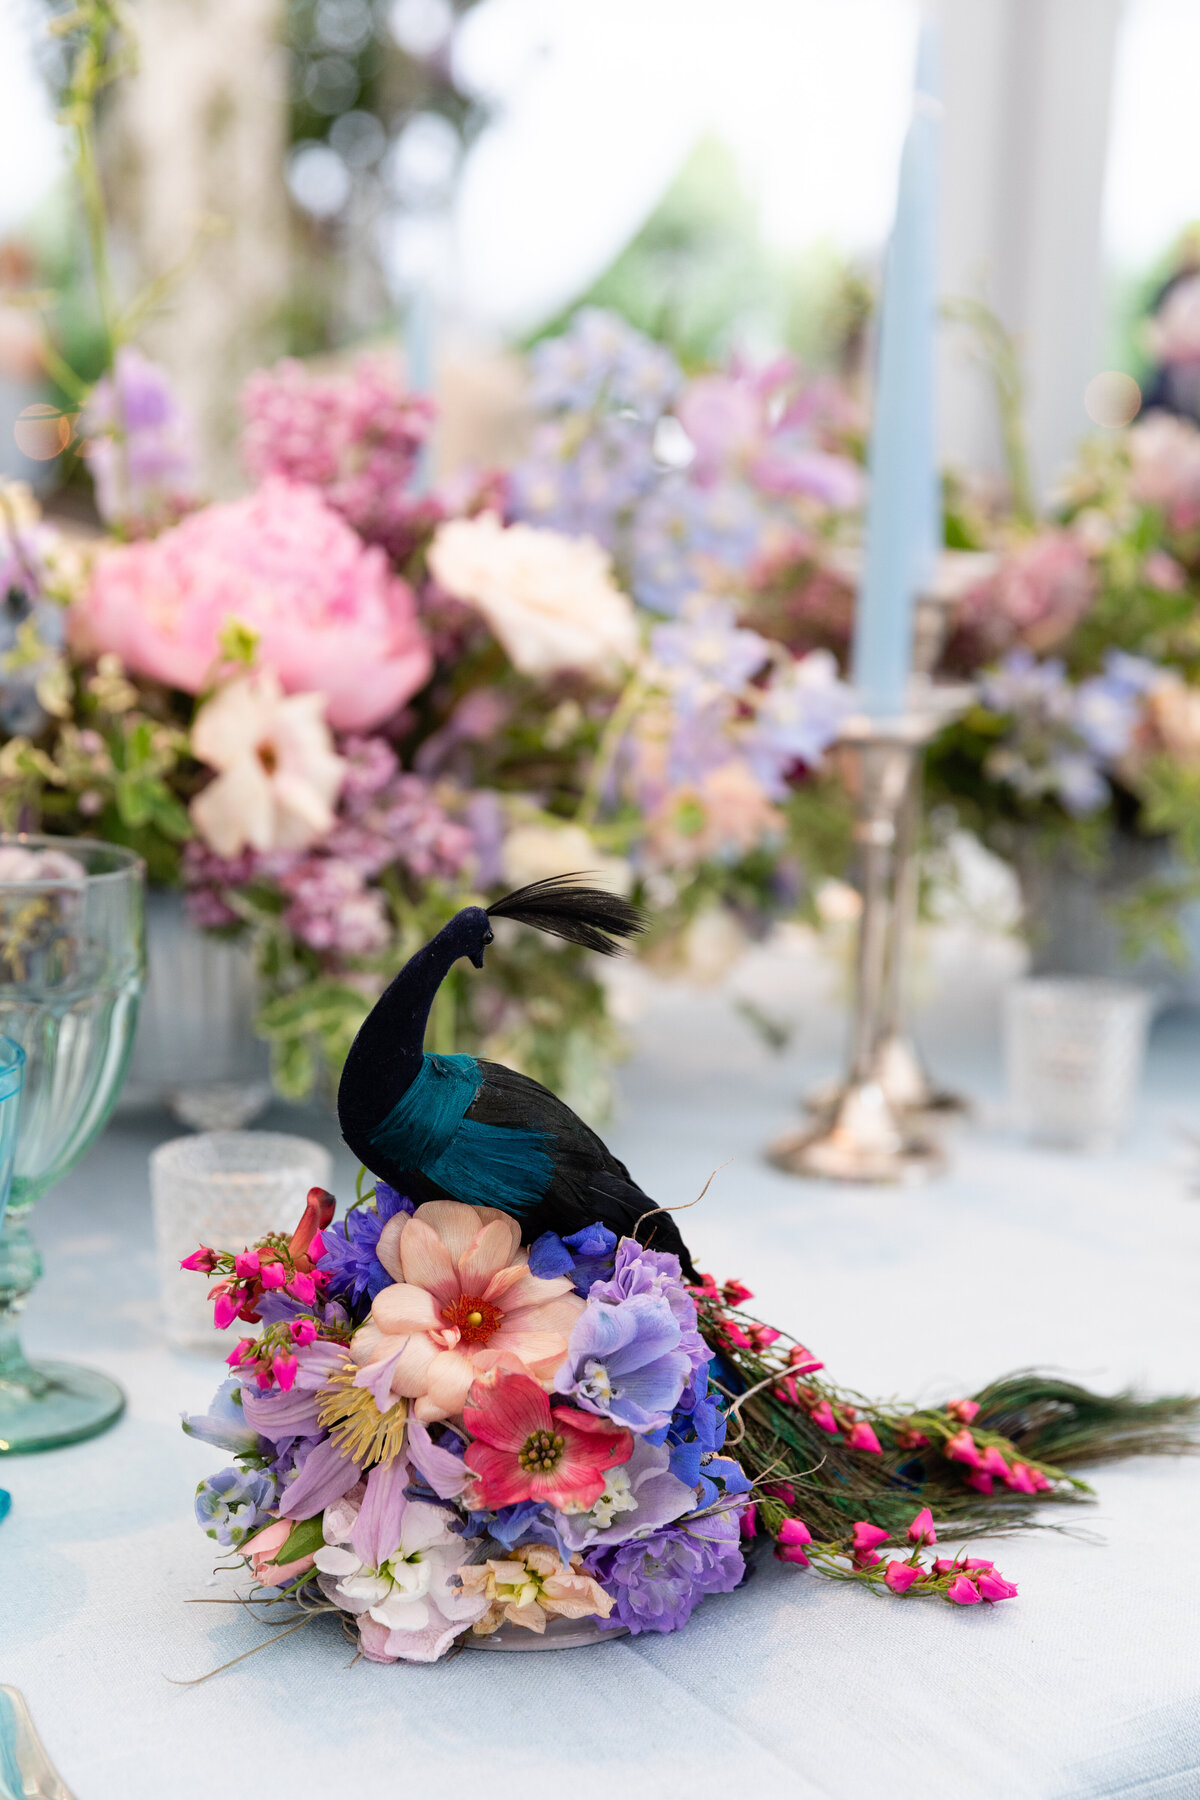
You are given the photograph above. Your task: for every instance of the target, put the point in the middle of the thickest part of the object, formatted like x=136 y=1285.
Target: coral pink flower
x=330 y=616
x=525 y=1449
x=463 y=1302
x=900 y=1576
x=265 y=1547
x=921 y=1530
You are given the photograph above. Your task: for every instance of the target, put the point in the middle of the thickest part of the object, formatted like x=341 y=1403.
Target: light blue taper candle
x=904 y=515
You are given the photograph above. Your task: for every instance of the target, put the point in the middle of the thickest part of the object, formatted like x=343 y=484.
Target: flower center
x=541 y=1453
x=475 y=1320
x=267 y=757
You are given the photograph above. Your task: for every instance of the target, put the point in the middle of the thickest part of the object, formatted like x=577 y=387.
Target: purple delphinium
x=625 y=1361
x=657 y=1582
x=231 y=1504
x=706 y=651
x=798 y=716
x=349 y=1259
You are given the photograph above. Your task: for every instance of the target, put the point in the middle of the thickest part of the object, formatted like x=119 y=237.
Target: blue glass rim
x=12 y=1067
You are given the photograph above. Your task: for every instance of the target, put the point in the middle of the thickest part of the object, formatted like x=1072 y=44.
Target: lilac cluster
x=386 y=818
x=356 y=437
x=1065 y=738
x=138 y=446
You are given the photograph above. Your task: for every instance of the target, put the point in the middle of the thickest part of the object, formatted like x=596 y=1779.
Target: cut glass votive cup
x=223 y=1189
x=1074 y=1049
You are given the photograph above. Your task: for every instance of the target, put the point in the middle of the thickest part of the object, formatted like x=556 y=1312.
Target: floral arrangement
x=438 y=1433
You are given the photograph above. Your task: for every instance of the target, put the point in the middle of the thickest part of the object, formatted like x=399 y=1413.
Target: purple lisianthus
x=231 y=1504
x=657 y=1582
x=349 y=1258
x=626 y=1361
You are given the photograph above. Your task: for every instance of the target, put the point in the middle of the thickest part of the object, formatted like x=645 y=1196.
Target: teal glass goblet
x=12 y=1074
x=72 y=956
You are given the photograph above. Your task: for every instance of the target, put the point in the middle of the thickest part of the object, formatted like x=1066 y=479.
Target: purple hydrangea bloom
x=231 y=1504
x=657 y=1582
x=349 y=1258
x=637 y=1270
x=625 y=1361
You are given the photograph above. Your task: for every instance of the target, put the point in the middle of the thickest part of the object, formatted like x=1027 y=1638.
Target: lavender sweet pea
x=658 y=1581
x=626 y=1361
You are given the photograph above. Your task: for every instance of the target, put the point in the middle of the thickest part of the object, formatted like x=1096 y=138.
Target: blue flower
x=625 y=1361
x=586 y=1256
x=225 y=1424
x=230 y=1505
x=349 y=1256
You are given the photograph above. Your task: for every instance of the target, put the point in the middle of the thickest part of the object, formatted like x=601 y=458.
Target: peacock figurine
x=460 y=1128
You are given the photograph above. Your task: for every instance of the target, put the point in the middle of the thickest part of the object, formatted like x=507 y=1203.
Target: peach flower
x=464 y=1302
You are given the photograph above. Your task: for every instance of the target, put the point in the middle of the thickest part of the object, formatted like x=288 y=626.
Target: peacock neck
x=386 y=1056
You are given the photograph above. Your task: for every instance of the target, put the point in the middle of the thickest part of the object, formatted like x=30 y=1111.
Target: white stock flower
x=277 y=773
x=550 y=599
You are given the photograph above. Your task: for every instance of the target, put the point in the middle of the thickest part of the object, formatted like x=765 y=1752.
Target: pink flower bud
x=316 y=1249
x=1041 y=1482
x=748 y=1523
x=963 y=1592
x=994 y=1587
x=225 y=1311
x=781 y=1490
x=285 y=1370
x=242 y=1352
x=764 y=1336
x=977 y=1562
x=794 y=1531
x=994 y=1463
x=734 y=1292
x=792 y=1553
x=900 y=1576
x=862 y=1437
x=803 y=1361
x=962 y=1409
x=944 y=1565
x=867 y=1536
x=203 y=1260
x=303 y=1331
x=1020 y=1479
x=911 y=1440
x=865 y=1559
x=963 y=1448
x=301 y=1288
x=823 y=1416
x=263 y=1378
x=246 y=1265
x=273 y=1275
x=983 y=1484
x=787 y=1391
x=921 y=1530
x=736 y=1335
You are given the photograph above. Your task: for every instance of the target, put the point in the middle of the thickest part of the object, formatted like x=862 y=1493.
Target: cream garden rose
x=550 y=599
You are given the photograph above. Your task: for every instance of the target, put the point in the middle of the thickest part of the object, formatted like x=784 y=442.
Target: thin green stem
x=607 y=750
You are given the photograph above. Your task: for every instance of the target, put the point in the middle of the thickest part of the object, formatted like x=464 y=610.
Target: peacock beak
x=477 y=956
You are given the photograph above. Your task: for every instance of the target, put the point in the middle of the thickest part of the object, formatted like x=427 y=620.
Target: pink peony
x=330 y=616
x=463 y=1302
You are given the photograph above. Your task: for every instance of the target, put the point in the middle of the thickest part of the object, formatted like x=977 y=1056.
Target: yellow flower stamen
x=355 y=1423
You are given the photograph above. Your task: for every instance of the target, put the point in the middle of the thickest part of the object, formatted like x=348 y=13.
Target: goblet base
x=61 y=1404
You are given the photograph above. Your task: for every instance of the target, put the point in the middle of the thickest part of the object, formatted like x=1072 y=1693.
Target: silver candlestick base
x=869 y=1128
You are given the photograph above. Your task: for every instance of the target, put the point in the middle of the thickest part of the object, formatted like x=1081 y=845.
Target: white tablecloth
x=1086 y=1685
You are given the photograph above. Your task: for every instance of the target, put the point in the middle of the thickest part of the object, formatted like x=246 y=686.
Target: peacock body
x=461 y=1128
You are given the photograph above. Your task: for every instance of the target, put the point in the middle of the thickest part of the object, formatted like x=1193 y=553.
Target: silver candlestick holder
x=870 y=1127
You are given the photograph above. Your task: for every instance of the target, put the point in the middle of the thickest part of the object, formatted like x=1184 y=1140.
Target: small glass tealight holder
x=223 y=1189
x=1074 y=1049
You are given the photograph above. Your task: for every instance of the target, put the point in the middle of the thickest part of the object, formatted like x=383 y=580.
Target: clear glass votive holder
x=223 y=1189
x=1074 y=1049
x=12 y=1079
